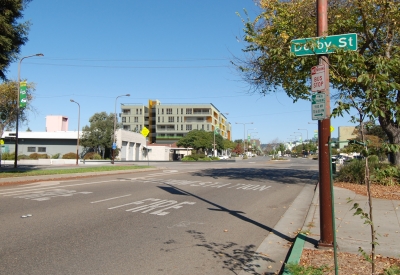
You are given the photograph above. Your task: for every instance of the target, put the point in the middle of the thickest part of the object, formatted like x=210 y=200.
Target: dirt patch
x=353 y=263
x=377 y=191
x=348 y=263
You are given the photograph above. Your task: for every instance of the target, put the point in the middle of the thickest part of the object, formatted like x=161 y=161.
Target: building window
x=127 y=127
x=123 y=119
x=170 y=119
x=181 y=111
x=188 y=111
x=208 y=127
x=137 y=111
x=162 y=111
x=135 y=119
x=169 y=111
x=181 y=127
x=177 y=119
x=42 y=149
x=126 y=111
x=177 y=111
x=189 y=127
x=202 y=127
x=140 y=111
x=158 y=111
x=31 y=149
x=158 y=119
x=163 y=119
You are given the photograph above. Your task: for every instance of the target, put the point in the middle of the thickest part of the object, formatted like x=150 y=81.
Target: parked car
x=223 y=157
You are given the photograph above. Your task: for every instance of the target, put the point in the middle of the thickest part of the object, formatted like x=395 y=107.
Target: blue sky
x=176 y=51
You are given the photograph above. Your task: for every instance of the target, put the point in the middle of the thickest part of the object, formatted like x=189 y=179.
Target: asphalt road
x=188 y=218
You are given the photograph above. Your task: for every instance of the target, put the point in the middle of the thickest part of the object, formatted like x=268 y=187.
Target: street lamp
x=114 y=146
x=18 y=91
x=250 y=136
x=247 y=147
x=304 y=130
x=244 y=133
x=79 y=119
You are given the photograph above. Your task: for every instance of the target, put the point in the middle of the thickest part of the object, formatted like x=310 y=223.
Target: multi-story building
x=168 y=123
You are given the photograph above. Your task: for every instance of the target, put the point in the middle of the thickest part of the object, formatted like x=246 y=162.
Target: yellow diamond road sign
x=145 y=131
x=1 y=141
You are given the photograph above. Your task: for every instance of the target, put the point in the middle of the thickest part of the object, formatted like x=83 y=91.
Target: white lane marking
x=170 y=171
x=14 y=191
x=238 y=186
x=47 y=195
x=111 y=198
x=153 y=205
x=48 y=188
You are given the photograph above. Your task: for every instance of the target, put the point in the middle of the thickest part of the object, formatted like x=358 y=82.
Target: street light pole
x=79 y=119
x=304 y=130
x=244 y=133
x=17 y=117
x=115 y=125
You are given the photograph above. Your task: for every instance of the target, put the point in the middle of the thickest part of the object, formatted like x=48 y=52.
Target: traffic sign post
x=318 y=108
x=324 y=44
x=318 y=78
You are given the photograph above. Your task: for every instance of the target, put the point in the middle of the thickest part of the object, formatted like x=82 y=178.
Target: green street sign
x=318 y=106
x=22 y=95
x=323 y=45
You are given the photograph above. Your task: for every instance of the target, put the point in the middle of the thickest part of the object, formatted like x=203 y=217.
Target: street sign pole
x=325 y=192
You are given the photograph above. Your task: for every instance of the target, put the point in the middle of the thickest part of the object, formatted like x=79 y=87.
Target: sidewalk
x=351 y=232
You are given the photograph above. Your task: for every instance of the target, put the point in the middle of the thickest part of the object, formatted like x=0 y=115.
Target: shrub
x=386 y=174
x=23 y=157
x=92 y=155
x=38 y=156
x=381 y=173
x=56 y=156
x=69 y=156
x=8 y=156
x=188 y=158
x=373 y=159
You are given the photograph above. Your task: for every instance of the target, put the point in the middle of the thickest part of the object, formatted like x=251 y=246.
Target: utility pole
x=325 y=192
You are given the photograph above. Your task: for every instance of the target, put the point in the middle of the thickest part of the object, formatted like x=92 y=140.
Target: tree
x=8 y=101
x=13 y=33
x=99 y=135
x=366 y=79
x=200 y=140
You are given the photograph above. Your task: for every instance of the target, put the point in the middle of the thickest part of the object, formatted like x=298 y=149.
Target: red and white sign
x=318 y=78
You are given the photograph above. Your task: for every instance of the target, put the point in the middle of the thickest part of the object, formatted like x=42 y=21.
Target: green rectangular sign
x=323 y=45
x=318 y=108
x=22 y=95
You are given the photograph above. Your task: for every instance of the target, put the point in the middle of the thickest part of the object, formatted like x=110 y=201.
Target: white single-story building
x=132 y=145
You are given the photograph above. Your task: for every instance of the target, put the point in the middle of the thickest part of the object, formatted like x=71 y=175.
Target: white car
x=223 y=157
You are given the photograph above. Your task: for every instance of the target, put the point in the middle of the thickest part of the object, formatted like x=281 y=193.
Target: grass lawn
x=41 y=172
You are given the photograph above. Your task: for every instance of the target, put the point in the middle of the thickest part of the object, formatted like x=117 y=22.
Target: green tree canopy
x=367 y=79
x=201 y=140
x=98 y=136
x=12 y=32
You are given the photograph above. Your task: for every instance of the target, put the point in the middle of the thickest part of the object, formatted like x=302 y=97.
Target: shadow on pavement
x=288 y=176
x=237 y=214
x=234 y=258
